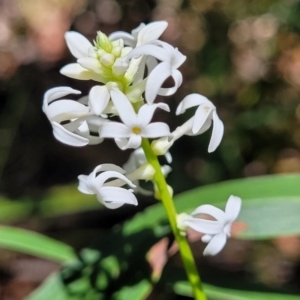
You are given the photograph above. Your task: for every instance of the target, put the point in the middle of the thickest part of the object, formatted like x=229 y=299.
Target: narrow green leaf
x=216 y=293
x=36 y=244
x=270 y=208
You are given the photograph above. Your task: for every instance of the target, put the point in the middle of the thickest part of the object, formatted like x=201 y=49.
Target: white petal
x=208 y=209
x=134 y=142
x=156 y=79
x=151 y=32
x=177 y=76
x=149 y=49
x=157 y=129
x=125 y=36
x=217 y=134
x=204 y=226
x=190 y=101
x=98 y=99
x=68 y=137
x=76 y=71
x=121 y=143
x=233 y=208
x=83 y=186
x=200 y=118
x=114 y=130
x=108 y=167
x=116 y=195
x=146 y=112
x=90 y=63
x=103 y=177
x=151 y=63
x=124 y=108
x=216 y=244
x=78 y=44
x=56 y=93
x=66 y=110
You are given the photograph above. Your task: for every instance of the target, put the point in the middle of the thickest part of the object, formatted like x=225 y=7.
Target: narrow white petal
x=204 y=226
x=124 y=108
x=149 y=49
x=76 y=71
x=217 y=134
x=200 y=118
x=68 y=137
x=146 y=112
x=108 y=167
x=190 y=101
x=157 y=129
x=156 y=79
x=103 y=177
x=151 y=63
x=98 y=99
x=66 y=110
x=233 y=208
x=151 y=32
x=110 y=195
x=216 y=244
x=78 y=44
x=125 y=36
x=114 y=130
x=83 y=186
x=177 y=76
x=121 y=143
x=208 y=209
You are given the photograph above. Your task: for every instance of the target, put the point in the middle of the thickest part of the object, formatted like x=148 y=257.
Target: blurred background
x=243 y=55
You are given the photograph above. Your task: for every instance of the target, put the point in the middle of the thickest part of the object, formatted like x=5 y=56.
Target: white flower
x=171 y=59
x=204 y=116
x=198 y=124
x=215 y=231
x=110 y=196
x=80 y=120
x=129 y=134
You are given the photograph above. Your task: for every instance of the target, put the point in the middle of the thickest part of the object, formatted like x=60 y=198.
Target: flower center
x=136 y=130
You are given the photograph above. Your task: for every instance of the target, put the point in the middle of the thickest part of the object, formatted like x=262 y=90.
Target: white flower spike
x=129 y=134
x=80 y=119
x=111 y=196
x=215 y=231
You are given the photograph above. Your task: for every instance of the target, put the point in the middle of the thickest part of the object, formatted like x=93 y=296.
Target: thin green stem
x=184 y=248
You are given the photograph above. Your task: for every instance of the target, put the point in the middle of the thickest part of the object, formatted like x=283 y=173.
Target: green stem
x=184 y=248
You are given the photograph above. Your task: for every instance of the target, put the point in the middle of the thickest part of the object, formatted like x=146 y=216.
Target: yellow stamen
x=136 y=130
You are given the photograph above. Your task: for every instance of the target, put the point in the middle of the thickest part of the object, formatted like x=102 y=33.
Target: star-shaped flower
x=135 y=126
x=215 y=231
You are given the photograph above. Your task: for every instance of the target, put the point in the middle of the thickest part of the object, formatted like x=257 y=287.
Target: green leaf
x=137 y=292
x=216 y=293
x=36 y=244
x=270 y=208
x=51 y=288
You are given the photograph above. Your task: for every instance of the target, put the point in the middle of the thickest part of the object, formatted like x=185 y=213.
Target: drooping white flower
x=205 y=115
x=78 y=119
x=135 y=126
x=215 y=231
x=171 y=59
x=111 y=196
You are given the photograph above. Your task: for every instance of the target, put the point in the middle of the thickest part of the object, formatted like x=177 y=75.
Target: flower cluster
x=129 y=71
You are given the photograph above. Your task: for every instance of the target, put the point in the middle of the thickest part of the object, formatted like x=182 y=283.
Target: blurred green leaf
x=137 y=292
x=51 y=288
x=36 y=244
x=271 y=205
x=216 y=293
